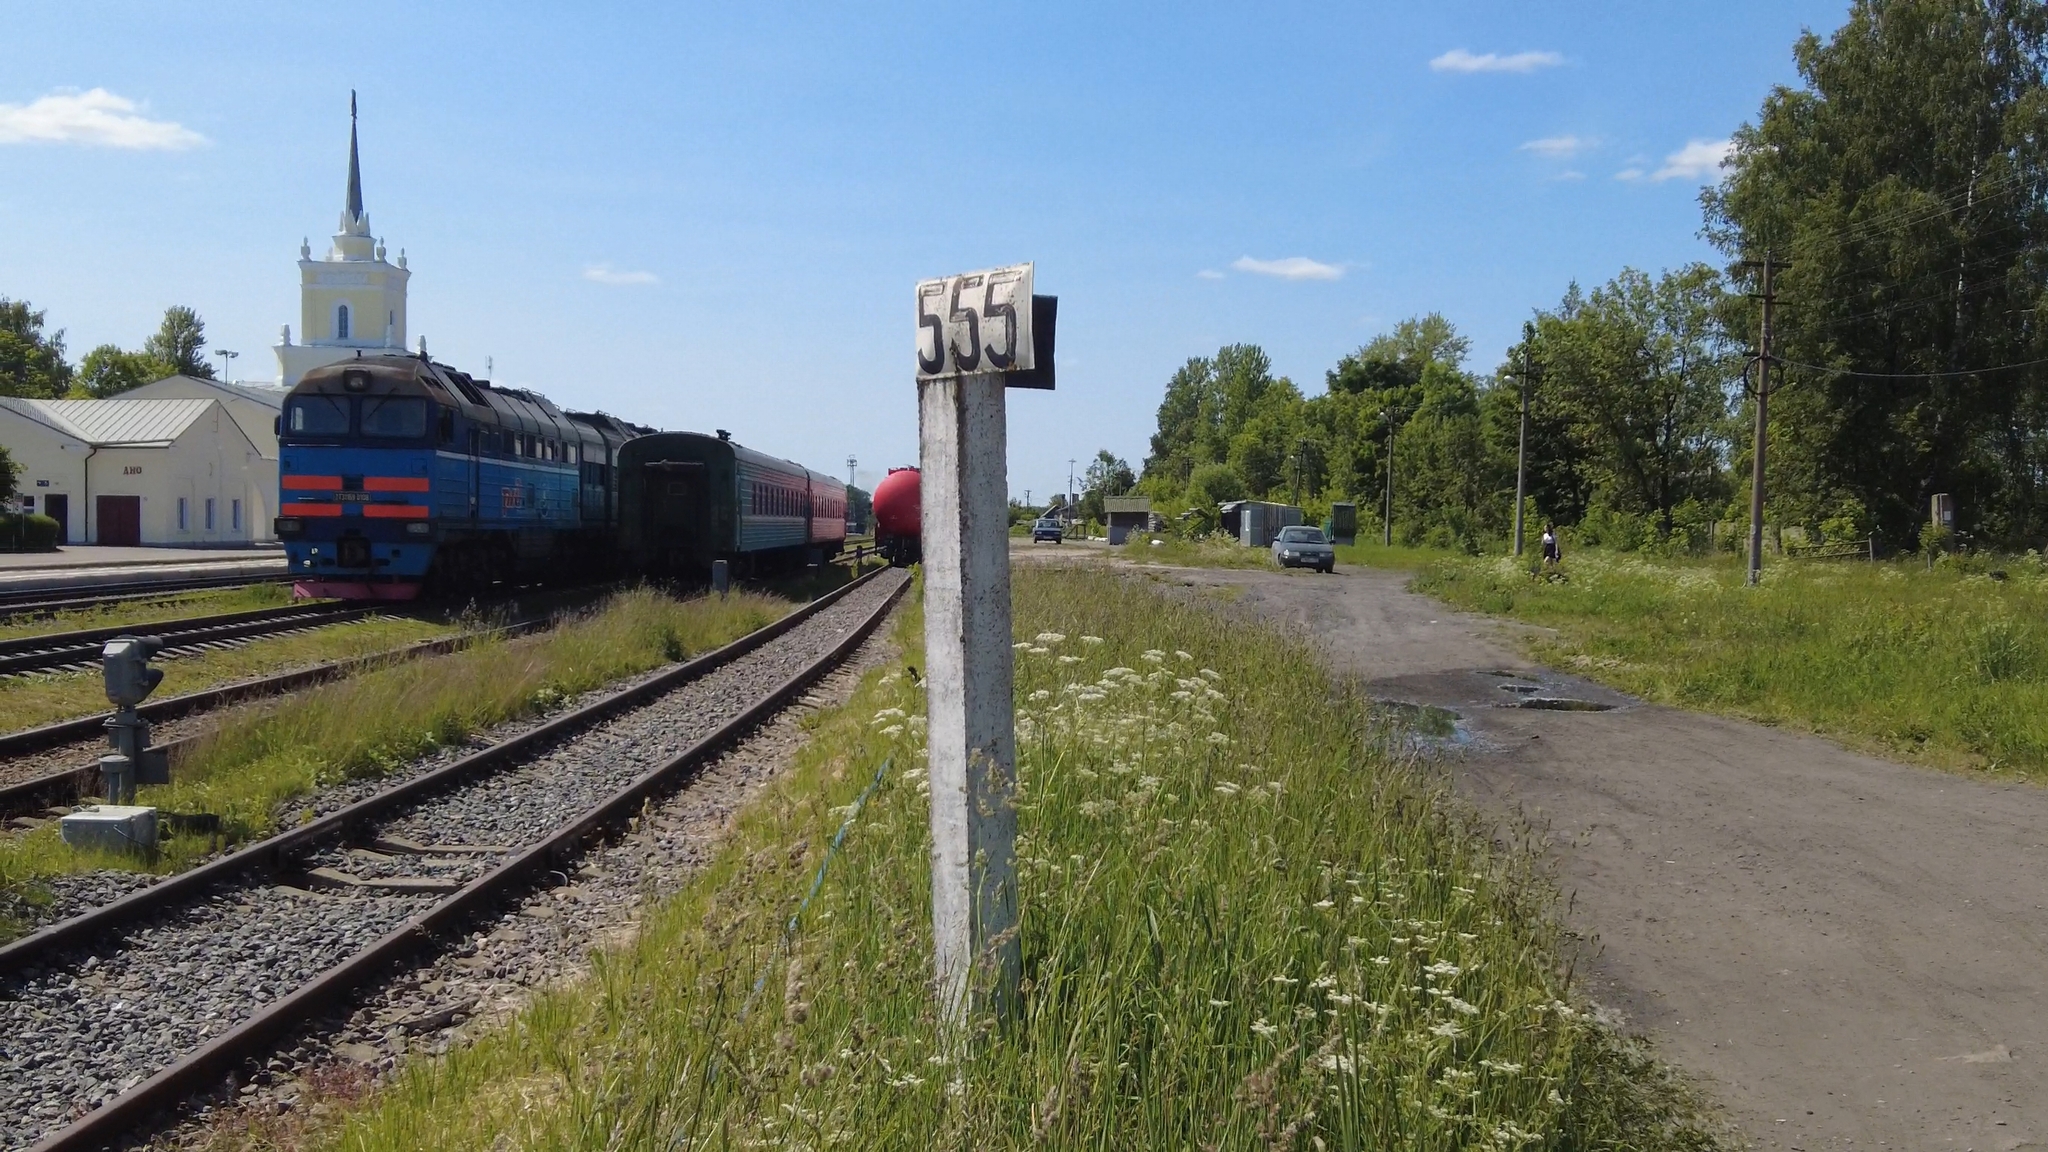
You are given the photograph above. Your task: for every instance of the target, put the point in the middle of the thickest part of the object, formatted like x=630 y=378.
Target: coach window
x=341 y=322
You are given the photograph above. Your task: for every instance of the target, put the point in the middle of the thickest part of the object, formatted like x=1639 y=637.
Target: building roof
x=108 y=423
x=354 y=207
x=267 y=395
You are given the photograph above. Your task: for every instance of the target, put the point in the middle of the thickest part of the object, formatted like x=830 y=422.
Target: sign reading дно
x=985 y=321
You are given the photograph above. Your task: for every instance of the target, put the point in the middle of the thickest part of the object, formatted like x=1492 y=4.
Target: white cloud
x=1558 y=147
x=1699 y=158
x=1570 y=174
x=1459 y=60
x=1629 y=174
x=1289 y=268
x=1208 y=274
x=606 y=274
x=95 y=119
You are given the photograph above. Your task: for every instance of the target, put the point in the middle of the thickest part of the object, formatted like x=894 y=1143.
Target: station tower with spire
x=351 y=301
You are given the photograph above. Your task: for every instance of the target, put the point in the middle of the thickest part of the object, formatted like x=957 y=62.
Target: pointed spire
x=354 y=208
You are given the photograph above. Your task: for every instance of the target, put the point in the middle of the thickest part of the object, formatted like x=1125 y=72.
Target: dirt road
x=1847 y=952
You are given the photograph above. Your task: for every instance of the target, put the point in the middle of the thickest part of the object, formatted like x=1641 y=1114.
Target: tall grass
x=253 y=767
x=44 y=698
x=1243 y=927
x=1946 y=666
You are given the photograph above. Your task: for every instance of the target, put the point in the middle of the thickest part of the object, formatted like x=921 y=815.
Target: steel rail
x=66 y=649
x=28 y=601
x=206 y=1066
x=62 y=786
x=272 y=853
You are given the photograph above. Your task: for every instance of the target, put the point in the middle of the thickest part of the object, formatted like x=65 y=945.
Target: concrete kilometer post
x=969 y=681
x=978 y=334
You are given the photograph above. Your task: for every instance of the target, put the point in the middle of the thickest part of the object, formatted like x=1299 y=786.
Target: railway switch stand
x=124 y=662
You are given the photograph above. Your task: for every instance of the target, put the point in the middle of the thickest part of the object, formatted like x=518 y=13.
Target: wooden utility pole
x=1769 y=265
x=1522 y=439
x=1387 y=517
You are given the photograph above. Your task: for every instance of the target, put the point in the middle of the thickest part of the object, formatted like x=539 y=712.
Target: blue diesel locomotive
x=398 y=474
x=687 y=499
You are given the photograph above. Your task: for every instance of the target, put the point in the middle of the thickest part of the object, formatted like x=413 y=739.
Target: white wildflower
x=1038 y=650
x=1222 y=741
x=1324 y=981
x=1153 y=657
x=1183 y=655
x=1264 y=1029
x=1336 y=1063
x=1219 y=1003
x=1342 y=998
x=1070 y=659
x=1091 y=639
x=1051 y=637
x=1325 y=904
x=1449 y=1030
x=1041 y=694
x=1211 y=674
x=906 y=1082
x=1021 y=645
x=1443 y=968
x=1226 y=788
x=893 y=730
x=1285 y=979
x=1182 y=695
x=1461 y=1007
x=1504 y=1067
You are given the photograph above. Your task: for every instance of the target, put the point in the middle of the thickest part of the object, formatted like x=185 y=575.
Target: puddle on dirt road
x=1418 y=727
x=1556 y=704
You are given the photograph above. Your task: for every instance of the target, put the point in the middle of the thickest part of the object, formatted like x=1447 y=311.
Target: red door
x=120 y=519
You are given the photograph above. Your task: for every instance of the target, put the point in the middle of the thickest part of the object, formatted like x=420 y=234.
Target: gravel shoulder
x=1844 y=950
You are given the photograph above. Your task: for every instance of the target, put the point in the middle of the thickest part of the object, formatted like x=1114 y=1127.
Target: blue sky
x=713 y=216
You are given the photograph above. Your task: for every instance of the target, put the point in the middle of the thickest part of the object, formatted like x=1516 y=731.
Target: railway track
x=48 y=601
x=133 y=1006
x=58 y=651
x=84 y=736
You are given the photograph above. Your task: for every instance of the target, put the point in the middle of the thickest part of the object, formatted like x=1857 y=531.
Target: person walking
x=1551 y=555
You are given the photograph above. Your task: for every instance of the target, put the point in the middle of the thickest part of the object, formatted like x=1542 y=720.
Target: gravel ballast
x=90 y=1025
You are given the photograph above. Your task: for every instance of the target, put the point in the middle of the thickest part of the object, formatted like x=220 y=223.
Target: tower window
x=341 y=322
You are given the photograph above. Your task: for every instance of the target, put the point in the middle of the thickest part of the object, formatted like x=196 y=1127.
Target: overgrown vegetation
x=260 y=759
x=1947 y=666
x=208 y=602
x=1242 y=928
x=43 y=698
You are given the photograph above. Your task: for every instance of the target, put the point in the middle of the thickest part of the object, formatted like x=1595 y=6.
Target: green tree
x=10 y=474
x=1107 y=475
x=1906 y=182
x=31 y=363
x=180 y=342
x=1228 y=408
x=1637 y=376
x=108 y=371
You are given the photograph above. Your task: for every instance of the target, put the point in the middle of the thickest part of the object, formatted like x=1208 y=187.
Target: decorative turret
x=354 y=298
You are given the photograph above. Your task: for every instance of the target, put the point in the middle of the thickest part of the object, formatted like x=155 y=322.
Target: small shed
x=1259 y=521
x=1126 y=514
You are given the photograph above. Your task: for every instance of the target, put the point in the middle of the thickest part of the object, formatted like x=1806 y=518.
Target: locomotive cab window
x=395 y=417
x=319 y=416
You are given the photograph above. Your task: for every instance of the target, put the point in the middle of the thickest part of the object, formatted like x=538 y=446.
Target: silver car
x=1301 y=546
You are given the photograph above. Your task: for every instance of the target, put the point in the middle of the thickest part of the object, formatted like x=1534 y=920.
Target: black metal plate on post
x=1044 y=313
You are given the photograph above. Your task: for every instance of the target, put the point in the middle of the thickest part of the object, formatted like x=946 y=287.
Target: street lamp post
x=225 y=356
x=1387 y=515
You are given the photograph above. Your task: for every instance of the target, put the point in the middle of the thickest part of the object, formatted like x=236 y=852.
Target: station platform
x=107 y=556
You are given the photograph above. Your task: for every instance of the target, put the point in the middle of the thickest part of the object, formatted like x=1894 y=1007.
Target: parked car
x=1047 y=528
x=1300 y=546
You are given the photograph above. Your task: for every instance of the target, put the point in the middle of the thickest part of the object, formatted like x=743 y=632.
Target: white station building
x=176 y=472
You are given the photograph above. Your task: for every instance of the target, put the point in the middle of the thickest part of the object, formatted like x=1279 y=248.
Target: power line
x=1909 y=375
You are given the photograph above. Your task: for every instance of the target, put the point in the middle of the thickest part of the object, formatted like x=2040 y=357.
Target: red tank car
x=897 y=517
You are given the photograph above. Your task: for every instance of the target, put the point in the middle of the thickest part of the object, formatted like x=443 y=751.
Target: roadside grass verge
x=1938 y=667
x=1244 y=926
x=172 y=606
x=44 y=698
x=1201 y=552
x=265 y=756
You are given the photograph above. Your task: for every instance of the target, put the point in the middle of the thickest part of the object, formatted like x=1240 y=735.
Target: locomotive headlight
x=419 y=528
